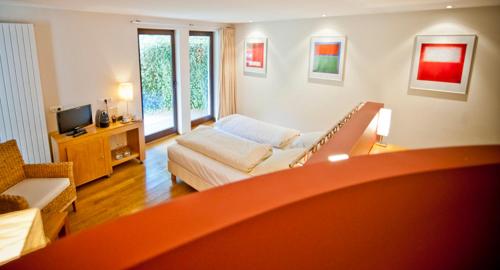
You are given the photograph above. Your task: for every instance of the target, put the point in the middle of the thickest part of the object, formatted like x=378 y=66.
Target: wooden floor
x=132 y=187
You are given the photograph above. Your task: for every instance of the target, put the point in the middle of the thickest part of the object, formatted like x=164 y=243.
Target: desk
x=91 y=152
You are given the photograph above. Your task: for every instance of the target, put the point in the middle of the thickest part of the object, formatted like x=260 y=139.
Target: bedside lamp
x=126 y=93
x=384 y=123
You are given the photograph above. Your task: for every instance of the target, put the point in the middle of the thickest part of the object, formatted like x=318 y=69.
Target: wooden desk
x=378 y=148
x=91 y=153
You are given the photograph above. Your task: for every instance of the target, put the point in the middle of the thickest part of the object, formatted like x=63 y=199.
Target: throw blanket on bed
x=236 y=152
x=256 y=130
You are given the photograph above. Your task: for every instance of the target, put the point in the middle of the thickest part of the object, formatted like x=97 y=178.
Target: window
x=201 y=76
x=157 y=64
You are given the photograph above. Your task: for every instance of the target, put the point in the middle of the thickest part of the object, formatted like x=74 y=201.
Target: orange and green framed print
x=255 y=55
x=326 y=59
x=442 y=63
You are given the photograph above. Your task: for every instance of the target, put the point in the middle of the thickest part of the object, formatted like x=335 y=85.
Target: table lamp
x=126 y=93
x=384 y=123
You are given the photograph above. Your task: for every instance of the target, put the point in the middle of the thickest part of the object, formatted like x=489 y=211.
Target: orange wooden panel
x=356 y=137
x=418 y=209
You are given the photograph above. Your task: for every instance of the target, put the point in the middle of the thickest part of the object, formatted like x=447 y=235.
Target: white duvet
x=257 y=131
x=216 y=173
x=239 y=153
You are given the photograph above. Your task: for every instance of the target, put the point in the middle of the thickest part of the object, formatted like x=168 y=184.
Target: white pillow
x=237 y=152
x=256 y=130
x=306 y=140
x=280 y=160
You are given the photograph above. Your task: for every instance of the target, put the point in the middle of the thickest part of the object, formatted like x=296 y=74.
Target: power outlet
x=56 y=108
x=105 y=99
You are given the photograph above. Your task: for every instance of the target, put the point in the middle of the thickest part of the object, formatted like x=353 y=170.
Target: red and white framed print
x=255 y=55
x=442 y=63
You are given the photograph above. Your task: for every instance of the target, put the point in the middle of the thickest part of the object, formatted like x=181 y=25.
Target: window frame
x=171 y=33
x=211 y=116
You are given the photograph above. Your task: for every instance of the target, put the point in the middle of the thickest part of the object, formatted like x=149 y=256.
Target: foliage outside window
x=199 y=62
x=156 y=72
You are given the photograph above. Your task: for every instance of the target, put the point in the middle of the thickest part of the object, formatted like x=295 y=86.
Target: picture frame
x=442 y=63
x=327 y=57
x=255 y=59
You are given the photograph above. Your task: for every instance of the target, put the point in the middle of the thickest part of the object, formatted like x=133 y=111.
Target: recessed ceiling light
x=324 y=15
x=449 y=6
x=250 y=21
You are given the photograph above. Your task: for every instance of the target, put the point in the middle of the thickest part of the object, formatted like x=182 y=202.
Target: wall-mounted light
x=384 y=123
x=449 y=6
x=338 y=157
x=324 y=15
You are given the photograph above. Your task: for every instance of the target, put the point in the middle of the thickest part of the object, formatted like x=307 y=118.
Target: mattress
x=212 y=171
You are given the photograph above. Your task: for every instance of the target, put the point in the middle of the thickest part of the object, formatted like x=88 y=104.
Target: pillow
x=280 y=160
x=234 y=151
x=306 y=140
x=256 y=130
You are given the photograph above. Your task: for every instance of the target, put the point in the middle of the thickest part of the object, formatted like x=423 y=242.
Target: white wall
x=378 y=57
x=83 y=55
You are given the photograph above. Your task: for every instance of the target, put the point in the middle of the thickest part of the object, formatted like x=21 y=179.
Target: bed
x=239 y=147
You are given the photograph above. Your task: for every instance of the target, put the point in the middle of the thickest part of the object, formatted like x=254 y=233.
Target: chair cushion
x=39 y=192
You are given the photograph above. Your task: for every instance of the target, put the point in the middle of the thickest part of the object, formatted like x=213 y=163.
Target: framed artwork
x=255 y=55
x=326 y=59
x=442 y=63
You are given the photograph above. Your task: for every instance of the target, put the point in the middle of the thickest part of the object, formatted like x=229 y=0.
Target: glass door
x=158 y=85
x=201 y=76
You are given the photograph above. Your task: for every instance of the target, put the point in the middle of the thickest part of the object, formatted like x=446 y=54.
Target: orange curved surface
x=355 y=138
x=421 y=209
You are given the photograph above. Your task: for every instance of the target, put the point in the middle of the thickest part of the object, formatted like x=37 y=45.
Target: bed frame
x=354 y=134
x=196 y=182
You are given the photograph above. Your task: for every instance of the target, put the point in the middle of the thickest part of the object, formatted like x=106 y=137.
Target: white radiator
x=21 y=103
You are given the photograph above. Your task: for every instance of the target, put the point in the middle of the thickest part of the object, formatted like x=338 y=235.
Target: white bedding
x=280 y=160
x=216 y=173
x=208 y=157
x=211 y=171
x=237 y=152
x=257 y=131
x=306 y=140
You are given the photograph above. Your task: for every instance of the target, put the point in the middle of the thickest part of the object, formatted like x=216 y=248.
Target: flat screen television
x=72 y=119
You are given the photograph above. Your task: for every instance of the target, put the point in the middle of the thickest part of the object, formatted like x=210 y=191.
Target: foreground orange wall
x=423 y=209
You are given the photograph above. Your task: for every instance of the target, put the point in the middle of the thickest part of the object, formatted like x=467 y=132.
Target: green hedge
x=156 y=74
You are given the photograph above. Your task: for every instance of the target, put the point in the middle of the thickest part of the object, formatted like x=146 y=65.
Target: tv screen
x=69 y=120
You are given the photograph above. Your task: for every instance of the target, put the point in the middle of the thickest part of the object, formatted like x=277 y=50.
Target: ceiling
x=242 y=11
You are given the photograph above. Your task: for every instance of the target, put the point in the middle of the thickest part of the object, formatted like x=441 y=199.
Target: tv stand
x=91 y=150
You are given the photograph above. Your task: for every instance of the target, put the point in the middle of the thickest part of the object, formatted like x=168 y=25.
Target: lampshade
x=384 y=122
x=126 y=91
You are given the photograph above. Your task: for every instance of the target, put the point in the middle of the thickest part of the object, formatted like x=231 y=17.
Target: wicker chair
x=13 y=171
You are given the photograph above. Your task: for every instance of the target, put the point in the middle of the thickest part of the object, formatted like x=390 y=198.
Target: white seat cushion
x=39 y=192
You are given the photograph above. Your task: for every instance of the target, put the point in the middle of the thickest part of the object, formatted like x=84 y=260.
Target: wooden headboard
x=353 y=135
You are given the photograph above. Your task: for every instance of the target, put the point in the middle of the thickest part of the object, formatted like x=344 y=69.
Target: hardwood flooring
x=131 y=187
